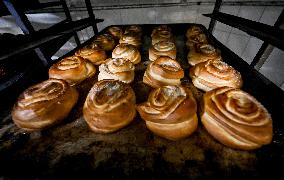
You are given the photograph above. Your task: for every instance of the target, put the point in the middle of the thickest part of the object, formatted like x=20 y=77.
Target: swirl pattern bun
x=202 y=53
x=193 y=31
x=105 y=41
x=44 y=105
x=195 y=40
x=163 y=71
x=93 y=53
x=161 y=28
x=195 y=35
x=131 y=38
x=162 y=33
x=236 y=119
x=135 y=29
x=162 y=36
x=127 y=51
x=117 y=69
x=115 y=31
x=110 y=106
x=170 y=112
x=213 y=74
x=163 y=48
x=73 y=69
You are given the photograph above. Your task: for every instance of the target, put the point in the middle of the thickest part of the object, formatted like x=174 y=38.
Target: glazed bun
x=161 y=28
x=110 y=105
x=203 y=53
x=213 y=74
x=115 y=31
x=105 y=41
x=162 y=36
x=193 y=31
x=163 y=48
x=162 y=33
x=170 y=112
x=163 y=71
x=236 y=119
x=44 y=105
x=195 y=40
x=127 y=51
x=73 y=69
x=135 y=29
x=118 y=69
x=93 y=53
x=131 y=38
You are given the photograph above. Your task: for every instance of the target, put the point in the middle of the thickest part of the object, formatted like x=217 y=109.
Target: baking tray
x=71 y=150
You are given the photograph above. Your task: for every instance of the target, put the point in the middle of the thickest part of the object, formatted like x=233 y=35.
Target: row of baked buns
x=171 y=110
x=208 y=71
x=164 y=69
x=230 y=115
x=50 y=101
x=124 y=56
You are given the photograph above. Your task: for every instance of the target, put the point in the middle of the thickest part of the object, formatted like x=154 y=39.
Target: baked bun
x=115 y=31
x=161 y=28
x=127 y=51
x=236 y=119
x=163 y=48
x=44 y=105
x=170 y=112
x=73 y=69
x=202 y=53
x=93 y=53
x=105 y=41
x=131 y=38
x=118 y=69
x=193 y=31
x=135 y=29
x=162 y=36
x=163 y=71
x=213 y=74
x=195 y=35
x=197 y=39
x=110 y=105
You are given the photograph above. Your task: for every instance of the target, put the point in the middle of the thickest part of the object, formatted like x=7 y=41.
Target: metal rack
x=44 y=42
x=25 y=25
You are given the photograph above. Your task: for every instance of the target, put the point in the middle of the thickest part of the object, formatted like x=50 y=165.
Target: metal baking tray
x=71 y=149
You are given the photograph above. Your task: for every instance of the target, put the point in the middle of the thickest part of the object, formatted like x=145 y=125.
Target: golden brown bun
x=170 y=112
x=202 y=53
x=195 y=35
x=213 y=74
x=93 y=53
x=193 y=31
x=163 y=71
x=162 y=36
x=115 y=31
x=118 y=69
x=44 y=104
x=135 y=29
x=161 y=28
x=197 y=39
x=110 y=105
x=105 y=41
x=131 y=38
x=163 y=48
x=127 y=51
x=236 y=119
x=73 y=69
x=162 y=33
